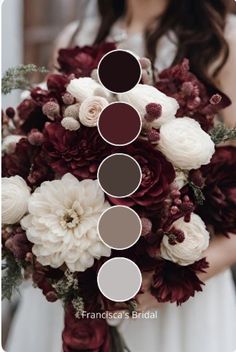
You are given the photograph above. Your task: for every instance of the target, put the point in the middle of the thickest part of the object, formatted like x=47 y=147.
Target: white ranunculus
x=185 y=144
x=195 y=243
x=84 y=87
x=142 y=95
x=62 y=223
x=15 y=196
x=9 y=143
x=90 y=110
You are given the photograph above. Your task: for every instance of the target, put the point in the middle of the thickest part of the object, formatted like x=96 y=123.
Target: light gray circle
x=119 y=279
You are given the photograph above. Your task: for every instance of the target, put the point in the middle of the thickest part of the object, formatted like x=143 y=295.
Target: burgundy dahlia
x=28 y=162
x=195 y=100
x=83 y=335
x=30 y=116
x=219 y=208
x=78 y=152
x=157 y=175
x=81 y=61
x=176 y=283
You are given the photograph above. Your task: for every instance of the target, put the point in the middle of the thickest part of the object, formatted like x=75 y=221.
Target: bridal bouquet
x=52 y=201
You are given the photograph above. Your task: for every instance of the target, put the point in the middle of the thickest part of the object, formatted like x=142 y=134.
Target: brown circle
x=119 y=175
x=119 y=227
x=119 y=124
x=119 y=71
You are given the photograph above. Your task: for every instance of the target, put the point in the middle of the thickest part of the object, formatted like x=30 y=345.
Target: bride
x=166 y=31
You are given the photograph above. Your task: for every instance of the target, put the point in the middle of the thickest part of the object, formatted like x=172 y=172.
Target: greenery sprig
x=18 y=77
x=12 y=275
x=221 y=133
x=198 y=194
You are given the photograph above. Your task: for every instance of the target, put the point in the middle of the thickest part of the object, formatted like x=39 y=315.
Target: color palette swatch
x=119 y=227
x=127 y=281
x=119 y=71
x=119 y=175
x=119 y=124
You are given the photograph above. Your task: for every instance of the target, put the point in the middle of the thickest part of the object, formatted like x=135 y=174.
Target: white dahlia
x=62 y=223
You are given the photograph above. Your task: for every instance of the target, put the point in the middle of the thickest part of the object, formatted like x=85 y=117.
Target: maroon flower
x=78 y=152
x=82 y=60
x=176 y=283
x=18 y=244
x=30 y=116
x=85 y=335
x=157 y=175
x=219 y=208
x=194 y=98
x=28 y=162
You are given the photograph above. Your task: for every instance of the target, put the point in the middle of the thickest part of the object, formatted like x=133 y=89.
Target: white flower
x=185 y=144
x=195 y=243
x=142 y=95
x=9 y=143
x=90 y=110
x=84 y=87
x=15 y=196
x=71 y=124
x=62 y=223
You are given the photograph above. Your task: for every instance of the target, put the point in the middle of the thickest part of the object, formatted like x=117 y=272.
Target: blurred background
x=29 y=30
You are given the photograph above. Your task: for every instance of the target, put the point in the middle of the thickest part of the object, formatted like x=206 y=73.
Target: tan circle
x=119 y=279
x=119 y=227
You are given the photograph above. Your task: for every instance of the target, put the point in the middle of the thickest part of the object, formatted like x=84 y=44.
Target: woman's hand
x=220 y=254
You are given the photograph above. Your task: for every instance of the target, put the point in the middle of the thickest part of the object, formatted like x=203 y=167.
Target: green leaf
x=199 y=196
x=221 y=133
x=12 y=275
x=17 y=77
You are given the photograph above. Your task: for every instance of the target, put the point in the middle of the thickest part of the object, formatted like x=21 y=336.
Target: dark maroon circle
x=119 y=71
x=119 y=124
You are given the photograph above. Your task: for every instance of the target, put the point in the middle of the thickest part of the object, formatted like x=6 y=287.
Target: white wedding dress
x=206 y=323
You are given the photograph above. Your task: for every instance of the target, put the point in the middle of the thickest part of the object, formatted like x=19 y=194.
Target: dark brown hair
x=199 y=27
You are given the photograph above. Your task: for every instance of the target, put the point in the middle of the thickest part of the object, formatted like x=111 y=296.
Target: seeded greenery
x=18 y=77
x=221 y=133
x=12 y=275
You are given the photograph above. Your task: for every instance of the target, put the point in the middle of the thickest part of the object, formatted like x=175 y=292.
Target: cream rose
x=84 y=87
x=90 y=110
x=195 y=243
x=185 y=144
x=15 y=196
x=142 y=95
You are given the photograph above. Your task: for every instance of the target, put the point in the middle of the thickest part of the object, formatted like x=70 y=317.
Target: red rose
x=85 y=335
x=82 y=60
x=157 y=175
x=219 y=208
x=78 y=152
